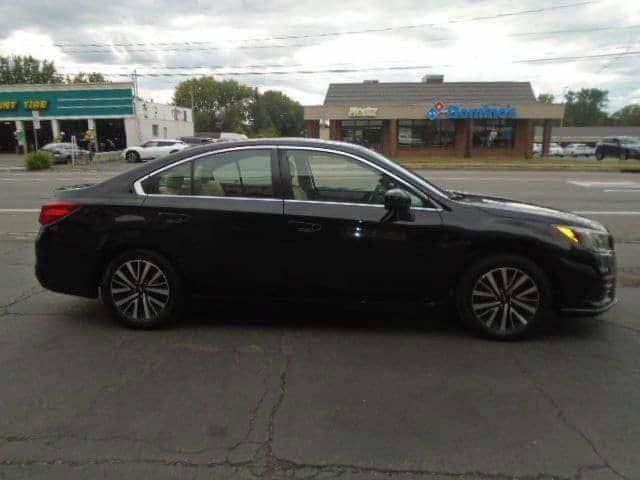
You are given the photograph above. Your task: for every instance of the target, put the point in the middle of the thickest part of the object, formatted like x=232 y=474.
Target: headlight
x=587 y=238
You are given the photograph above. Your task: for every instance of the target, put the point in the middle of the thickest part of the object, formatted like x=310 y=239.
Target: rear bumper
x=64 y=268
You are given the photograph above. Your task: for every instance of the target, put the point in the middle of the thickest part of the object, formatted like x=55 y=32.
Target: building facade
x=109 y=114
x=435 y=118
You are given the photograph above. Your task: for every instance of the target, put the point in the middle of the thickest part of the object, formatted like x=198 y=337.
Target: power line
x=367 y=69
x=341 y=33
x=432 y=40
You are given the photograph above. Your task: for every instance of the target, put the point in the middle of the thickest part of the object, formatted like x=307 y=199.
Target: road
x=294 y=391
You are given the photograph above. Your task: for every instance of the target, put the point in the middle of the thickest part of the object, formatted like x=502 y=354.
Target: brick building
x=435 y=118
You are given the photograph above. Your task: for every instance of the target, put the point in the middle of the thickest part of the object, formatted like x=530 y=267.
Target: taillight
x=56 y=210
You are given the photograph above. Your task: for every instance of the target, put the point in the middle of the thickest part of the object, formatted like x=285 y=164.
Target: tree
x=93 y=77
x=275 y=114
x=586 y=107
x=19 y=69
x=546 y=98
x=218 y=105
x=628 y=116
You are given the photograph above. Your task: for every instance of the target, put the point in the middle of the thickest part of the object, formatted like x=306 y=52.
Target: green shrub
x=37 y=160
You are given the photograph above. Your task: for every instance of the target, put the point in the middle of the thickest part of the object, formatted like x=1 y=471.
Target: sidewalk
x=10 y=162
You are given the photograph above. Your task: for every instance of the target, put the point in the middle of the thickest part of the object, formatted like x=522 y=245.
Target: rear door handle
x=174 y=217
x=306 y=227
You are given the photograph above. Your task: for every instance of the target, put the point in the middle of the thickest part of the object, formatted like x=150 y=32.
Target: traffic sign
x=36 y=119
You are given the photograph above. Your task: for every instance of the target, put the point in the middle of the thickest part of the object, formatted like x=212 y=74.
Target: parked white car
x=579 y=150
x=537 y=149
x=230 y=137
x=556 y=150
x=153 y=149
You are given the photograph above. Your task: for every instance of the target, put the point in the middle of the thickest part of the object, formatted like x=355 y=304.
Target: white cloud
x=474 y=50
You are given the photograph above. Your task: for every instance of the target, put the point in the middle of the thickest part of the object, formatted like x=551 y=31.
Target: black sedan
x=317 y=220
x=618 y=147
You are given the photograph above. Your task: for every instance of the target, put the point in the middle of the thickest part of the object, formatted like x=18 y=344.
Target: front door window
x=329 y=177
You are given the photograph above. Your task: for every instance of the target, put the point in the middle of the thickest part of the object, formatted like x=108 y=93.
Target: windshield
x=630 y=141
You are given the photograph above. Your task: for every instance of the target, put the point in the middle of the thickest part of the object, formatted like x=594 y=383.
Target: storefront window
x=363 y=132
x=493 y=133
x=426 y=133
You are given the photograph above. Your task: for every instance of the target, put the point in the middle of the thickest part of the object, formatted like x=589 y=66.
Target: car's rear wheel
x=504 y=297
x=132 y=157
x=141 y=289
x=599 y=154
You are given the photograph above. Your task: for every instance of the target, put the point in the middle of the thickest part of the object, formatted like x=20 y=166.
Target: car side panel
x=220 y=244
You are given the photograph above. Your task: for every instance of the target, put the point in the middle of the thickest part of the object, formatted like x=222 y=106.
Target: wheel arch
x=111 y=251
x=544 y=260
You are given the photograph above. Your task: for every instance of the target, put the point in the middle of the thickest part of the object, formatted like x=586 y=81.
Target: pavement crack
x=289 y=469
x=253 y=417
x=270 y=463
x=537 y=385
x=26 y=295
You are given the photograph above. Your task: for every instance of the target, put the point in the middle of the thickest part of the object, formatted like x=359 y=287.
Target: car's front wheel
x=599 y=154
x=504 y=297
x=132 y=157
x=141 y=289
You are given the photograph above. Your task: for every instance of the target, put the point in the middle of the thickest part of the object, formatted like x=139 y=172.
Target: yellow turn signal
x=568 y=232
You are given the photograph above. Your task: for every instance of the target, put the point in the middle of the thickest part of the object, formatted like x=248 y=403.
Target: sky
x=250 y=40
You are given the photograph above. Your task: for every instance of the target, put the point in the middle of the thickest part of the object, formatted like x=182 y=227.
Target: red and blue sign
x=455 y=111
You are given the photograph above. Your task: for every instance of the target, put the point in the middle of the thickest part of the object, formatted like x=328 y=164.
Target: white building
x=109 y=110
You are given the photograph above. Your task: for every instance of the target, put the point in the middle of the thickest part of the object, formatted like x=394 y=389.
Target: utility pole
x=134 y=77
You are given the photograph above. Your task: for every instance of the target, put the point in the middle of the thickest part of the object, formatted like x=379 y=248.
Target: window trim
x=280 y=179
x=414 y=189
x=137 y=185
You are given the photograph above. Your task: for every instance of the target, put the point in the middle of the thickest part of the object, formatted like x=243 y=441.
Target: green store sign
x=67 y=103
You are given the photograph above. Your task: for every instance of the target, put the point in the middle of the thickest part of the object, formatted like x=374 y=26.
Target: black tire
x=599 y=154
x=132 y=157
x=511 y=320
x=142 y=305
x=623 y=156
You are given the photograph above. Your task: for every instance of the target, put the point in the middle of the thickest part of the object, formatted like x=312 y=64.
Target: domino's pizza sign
x=455 y=111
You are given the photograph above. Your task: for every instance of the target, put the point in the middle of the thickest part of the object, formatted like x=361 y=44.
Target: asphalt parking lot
x=294 y=391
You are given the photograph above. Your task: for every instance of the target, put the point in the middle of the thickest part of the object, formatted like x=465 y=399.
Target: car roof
x=164 y=140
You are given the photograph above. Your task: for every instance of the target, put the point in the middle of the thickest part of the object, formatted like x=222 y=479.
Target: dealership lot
x=293 y=391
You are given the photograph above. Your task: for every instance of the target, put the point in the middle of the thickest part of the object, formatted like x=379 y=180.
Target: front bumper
x=594 y=287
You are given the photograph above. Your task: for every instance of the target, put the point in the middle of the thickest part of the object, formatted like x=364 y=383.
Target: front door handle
x=172 y=217
x=306 y=227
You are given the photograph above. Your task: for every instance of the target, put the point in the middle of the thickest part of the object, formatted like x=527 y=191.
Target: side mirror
x=398 y=205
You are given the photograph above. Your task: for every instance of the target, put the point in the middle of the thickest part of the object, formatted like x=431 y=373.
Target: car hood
x=511 y=208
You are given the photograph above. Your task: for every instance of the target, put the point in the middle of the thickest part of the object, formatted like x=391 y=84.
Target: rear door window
x=237 y=173
x=173 y=181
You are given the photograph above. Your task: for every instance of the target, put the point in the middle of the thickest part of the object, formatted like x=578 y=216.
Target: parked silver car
x=62 y=151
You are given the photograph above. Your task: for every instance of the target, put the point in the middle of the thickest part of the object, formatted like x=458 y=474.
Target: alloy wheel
x=140 y=290
x=505 y=300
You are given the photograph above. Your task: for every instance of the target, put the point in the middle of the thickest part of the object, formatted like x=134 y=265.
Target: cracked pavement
x=284 y=391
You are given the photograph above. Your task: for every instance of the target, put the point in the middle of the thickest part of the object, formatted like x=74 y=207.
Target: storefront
x=434 y=118
x=107 y=115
